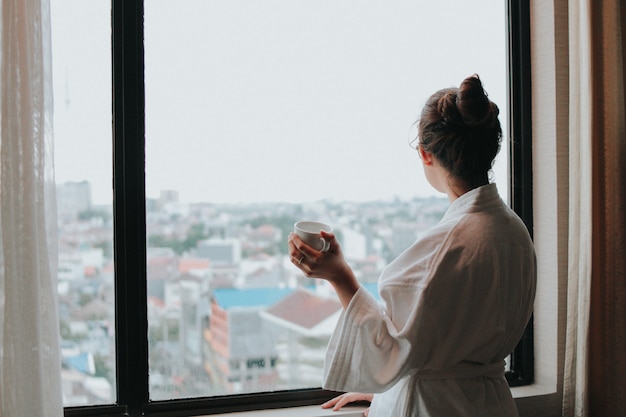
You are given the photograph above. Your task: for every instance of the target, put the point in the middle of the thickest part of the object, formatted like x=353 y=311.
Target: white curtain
x=580 y=220
x=30 y=364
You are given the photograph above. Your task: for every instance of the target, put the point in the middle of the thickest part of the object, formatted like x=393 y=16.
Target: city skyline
x=206 y=262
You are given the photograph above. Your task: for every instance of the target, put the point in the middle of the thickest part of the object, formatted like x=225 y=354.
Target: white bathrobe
x=454 y=305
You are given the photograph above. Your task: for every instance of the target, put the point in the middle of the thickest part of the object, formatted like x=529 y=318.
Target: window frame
x=131 y=344
x=520 y=158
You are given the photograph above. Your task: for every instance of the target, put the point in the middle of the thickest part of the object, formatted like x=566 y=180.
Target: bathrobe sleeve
x=380 y=354
x=374 y=344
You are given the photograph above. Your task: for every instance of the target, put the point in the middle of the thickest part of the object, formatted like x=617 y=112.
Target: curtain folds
x=30 y=364
x=607 y=361
x=580 y=197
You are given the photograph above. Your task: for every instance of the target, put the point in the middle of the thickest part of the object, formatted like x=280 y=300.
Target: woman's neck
x=456 y=188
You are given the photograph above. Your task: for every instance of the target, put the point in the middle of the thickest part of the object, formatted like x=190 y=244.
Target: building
x=220 y=251
x=234 y=361
x=73 y=198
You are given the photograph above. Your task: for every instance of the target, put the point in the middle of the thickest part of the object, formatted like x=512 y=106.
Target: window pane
x=81 y=49
x=261 y=113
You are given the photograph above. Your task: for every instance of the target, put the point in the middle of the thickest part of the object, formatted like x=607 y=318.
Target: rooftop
x=249 y=297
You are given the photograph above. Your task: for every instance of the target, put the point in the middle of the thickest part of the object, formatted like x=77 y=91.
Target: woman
x=456 y=302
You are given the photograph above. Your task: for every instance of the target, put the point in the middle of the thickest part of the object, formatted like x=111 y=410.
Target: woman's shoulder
x=499 y=223
x=484 y=241
x=412 y=265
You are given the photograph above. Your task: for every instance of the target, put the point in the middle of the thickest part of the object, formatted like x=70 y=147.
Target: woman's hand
x=329 y=265
x=347 y=398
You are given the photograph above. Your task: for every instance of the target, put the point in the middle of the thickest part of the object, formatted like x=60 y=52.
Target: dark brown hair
x=460 y=127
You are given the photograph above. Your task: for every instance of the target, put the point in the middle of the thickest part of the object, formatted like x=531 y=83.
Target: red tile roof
x=304 y=309
x=187 y=264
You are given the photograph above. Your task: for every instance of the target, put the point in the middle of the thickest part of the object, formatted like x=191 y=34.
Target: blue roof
x=262 y=297
x=250 y=297
x=82 y=362
x=373 y=289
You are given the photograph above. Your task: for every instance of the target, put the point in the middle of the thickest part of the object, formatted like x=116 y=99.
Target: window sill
x=308 y=411
x=534 y=390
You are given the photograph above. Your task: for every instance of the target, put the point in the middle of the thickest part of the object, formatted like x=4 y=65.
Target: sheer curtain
x=29 y=327
x=579 y=243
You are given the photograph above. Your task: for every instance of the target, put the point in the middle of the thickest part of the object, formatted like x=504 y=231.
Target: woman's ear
x=427 y=157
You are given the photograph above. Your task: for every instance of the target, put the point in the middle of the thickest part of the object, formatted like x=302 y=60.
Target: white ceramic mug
x=310 y=232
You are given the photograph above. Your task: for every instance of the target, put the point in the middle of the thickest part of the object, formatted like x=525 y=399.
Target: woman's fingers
x=350 y=397
x=342 y=401
x=330 y=402
x=300 y=245
x=295 y=254
x=337 y=402
x=300 y=251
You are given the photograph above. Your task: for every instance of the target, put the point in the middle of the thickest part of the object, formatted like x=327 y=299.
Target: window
x=183 y=304
x=83 y=170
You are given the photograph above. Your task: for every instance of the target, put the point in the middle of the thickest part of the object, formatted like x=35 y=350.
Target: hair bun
x=473 y=105
x=460 y=128
x=447 y=107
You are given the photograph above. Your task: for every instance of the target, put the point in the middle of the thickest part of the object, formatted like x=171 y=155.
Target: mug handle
x=325 y=245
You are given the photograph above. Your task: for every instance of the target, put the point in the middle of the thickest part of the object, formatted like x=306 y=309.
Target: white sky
x=255 y=100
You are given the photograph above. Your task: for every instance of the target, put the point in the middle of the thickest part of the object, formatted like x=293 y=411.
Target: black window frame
x=520 y=158
x=129 y=198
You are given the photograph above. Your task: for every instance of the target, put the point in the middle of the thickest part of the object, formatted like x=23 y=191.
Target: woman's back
x=473 y=281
